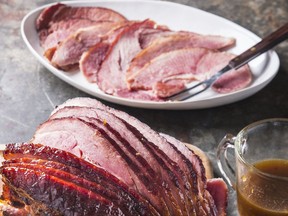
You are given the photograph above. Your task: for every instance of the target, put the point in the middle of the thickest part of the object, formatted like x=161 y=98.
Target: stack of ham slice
x=90 y=159
x=137 y=59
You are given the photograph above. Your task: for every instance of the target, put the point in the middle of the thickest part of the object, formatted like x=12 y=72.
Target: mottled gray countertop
x=29 y=92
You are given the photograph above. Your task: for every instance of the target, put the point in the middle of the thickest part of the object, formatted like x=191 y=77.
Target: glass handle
x=223 y=161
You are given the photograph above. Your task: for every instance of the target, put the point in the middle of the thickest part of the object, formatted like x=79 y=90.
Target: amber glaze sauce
x=254 y=205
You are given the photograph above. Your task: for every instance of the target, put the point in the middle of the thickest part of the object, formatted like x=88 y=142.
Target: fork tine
x=186 y=93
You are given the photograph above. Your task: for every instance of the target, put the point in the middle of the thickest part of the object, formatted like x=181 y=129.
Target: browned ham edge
x=192 y=166
x=123 y=202
x=78 y=169
x=159 y=161
x=78 y=137
x=40 y=191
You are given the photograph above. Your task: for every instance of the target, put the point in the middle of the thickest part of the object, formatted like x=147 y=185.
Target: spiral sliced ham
x=69 y=174
x=104 y=161
x=179 y=153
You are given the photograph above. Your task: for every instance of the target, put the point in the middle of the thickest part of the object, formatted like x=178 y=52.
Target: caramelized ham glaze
x=95 y=152
x=67 y=167
x=189 y=163
x=92 y=143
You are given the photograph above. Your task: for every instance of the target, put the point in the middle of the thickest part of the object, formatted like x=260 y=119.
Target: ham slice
x=49 y=39
x=91 y=60
x=111 y=76
x=175 y=150
x=168 y=73
x=69 y=51
x=219 y=191
x=93 y=144
x=61 y=20
x=166 y=41
x=68 y=168
x=95 y=152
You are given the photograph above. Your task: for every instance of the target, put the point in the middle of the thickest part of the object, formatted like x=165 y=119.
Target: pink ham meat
x=130 y=136
x=233 y=80
x=88 y=141
x=132 y=146
x=106 y=62
x=94 y=159
x=133 y=59
x=168 y=73
x=50 y=39
x=91 y=60
x=165 y=41
x=188 y=162
x=69 y=51
x=61 y=20
x=71 y=170
x=219 y=191
x=111 y=76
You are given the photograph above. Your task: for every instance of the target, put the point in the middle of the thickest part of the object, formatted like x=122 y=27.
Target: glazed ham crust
x=66 y=167
x=104 y=161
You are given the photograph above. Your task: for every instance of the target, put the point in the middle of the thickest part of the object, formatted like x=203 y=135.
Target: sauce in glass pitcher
x=260 y=197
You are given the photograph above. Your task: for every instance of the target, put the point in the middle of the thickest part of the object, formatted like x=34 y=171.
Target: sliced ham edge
x=58 y=21
x=92 y=143
x=40 y=185
x=153 y=155
x=46 y=157
x=69 y=51
x=173 y=69
x=165 y=41
x=87 y=102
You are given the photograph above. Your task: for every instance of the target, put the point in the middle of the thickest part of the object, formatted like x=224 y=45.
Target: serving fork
x=264 y=45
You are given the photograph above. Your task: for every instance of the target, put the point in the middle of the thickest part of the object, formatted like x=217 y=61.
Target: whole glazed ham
x=90 y=159
x=136 y=59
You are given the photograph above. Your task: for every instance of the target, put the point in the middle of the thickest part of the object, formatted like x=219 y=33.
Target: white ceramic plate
x=176 y=17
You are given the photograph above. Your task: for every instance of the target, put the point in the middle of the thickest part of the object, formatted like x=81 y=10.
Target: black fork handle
x=264 y=45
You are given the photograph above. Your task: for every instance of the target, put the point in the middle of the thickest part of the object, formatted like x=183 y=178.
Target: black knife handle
x=264 y=45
